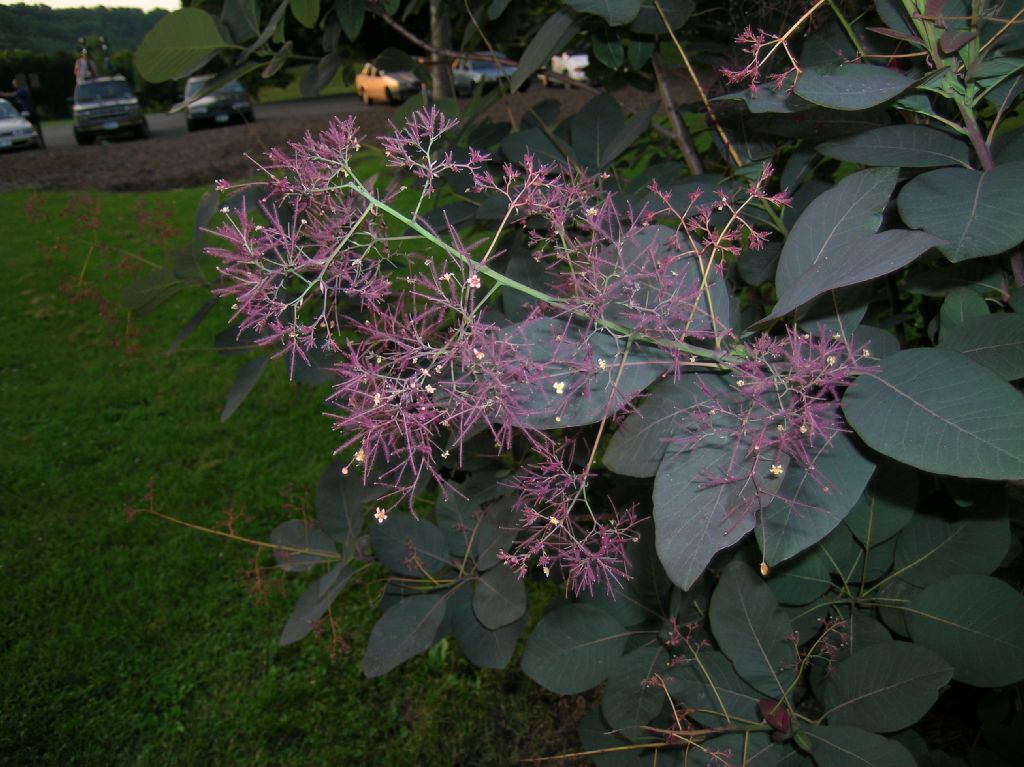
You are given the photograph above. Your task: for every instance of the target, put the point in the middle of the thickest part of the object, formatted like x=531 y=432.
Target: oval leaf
x=853 y=747
x=995 y=341
x=315 y=546
x=933 y=547
x=314 y=602
x=499 y=598
x=573 y=648
x=247 y=378
x=405 y=630
x=408 y=546
x=885 y=687
x=629 y=704
x=976 y=623
x=179 y=44
x=903 y=146
x=976 y=213
x=753 y=631
x=938 y=411
x=851 y=87
x=483 y=647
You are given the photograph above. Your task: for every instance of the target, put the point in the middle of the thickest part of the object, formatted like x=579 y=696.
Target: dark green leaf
x=350 y=15
x=314 y=602
x=975 y=212
x=853 y=747
x=976 y=623
x=752 y=630
x=940 y=280
x=994 y=340
x=906 y=146
x=628 y=703
x=802 y=579
x=713 y=691
x=635 y=127
x=242 y=18
x=306 y=12
x=885 y=687
x=247 y=378
x=499 y=598
x=339 y=503
x=848 y=212
x=316 y=546
x=318 y=75
x=611 y=749
x=851 y=87
x=595 y=127
x=573 y=648
x=409 y=546
x=151 y=290
x=406 y=629
x=961 y=304
x=938 y=411
x=933 y=547
x=180 y=44
x=609 y=52
x=887 y=506
x=552 y=36
x=639 y=52
x=864 y=259
x=649 y=22
x=190 y=326
x=534 y=141
x=495 y=533
x=483 y=647
x=615 y=12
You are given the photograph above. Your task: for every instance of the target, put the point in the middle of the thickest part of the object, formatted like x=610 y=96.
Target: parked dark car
x=16 y=132
x=107 y=106
x=228 y=103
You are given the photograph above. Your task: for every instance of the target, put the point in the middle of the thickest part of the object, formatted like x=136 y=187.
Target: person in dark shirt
x=22 y=97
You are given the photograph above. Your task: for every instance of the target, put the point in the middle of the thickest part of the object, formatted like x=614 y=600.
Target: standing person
x=85 y=68
x=22 y=96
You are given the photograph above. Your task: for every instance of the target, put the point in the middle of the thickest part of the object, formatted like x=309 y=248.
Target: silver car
x=15 y=131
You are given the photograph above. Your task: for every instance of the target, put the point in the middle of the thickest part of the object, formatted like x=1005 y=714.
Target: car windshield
x=116 y=89
x=193 y=87
x=7 y=110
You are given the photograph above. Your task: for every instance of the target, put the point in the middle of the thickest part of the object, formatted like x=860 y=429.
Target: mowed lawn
x=140 y=642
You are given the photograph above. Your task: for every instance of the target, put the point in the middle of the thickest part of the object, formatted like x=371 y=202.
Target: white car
x=572 y=67
x=15 y=131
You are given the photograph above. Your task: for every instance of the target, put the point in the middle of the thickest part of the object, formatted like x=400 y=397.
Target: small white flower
x=473 y=281
x=559 y=387
x=380 y=515
x=775 y=470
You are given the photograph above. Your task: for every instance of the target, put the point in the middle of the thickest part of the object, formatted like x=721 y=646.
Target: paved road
x=163 y=124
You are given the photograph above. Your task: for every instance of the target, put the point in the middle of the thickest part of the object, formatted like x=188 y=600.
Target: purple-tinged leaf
x=410 y=547
x=953 y=40
x=316 y=546
x=752 y=631
x=406 y=629
x=339 y=503
x=851 y=87
x=595 y=127
x=939 y=411
x=495 y=533
x=977 y=213
x=573 y=648
x=567 y=386
x=905 y=146
x=314 y=602
x=808 y=506
x=868 y=258
x=995 y=341
x=636 y=449
x=848 y=212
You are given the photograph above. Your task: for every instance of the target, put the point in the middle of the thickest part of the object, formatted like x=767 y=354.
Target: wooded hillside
x=41 y=29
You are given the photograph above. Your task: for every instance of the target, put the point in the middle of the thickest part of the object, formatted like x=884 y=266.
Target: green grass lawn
x=141 y=642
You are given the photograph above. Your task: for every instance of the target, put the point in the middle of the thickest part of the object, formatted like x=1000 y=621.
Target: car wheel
x=84 y=139
x=365 y=97
x=143 y=130
x=191 y=125
x=249 y=117
x=389 y=97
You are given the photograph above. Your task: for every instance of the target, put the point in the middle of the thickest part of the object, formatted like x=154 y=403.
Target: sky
x=146 y=5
